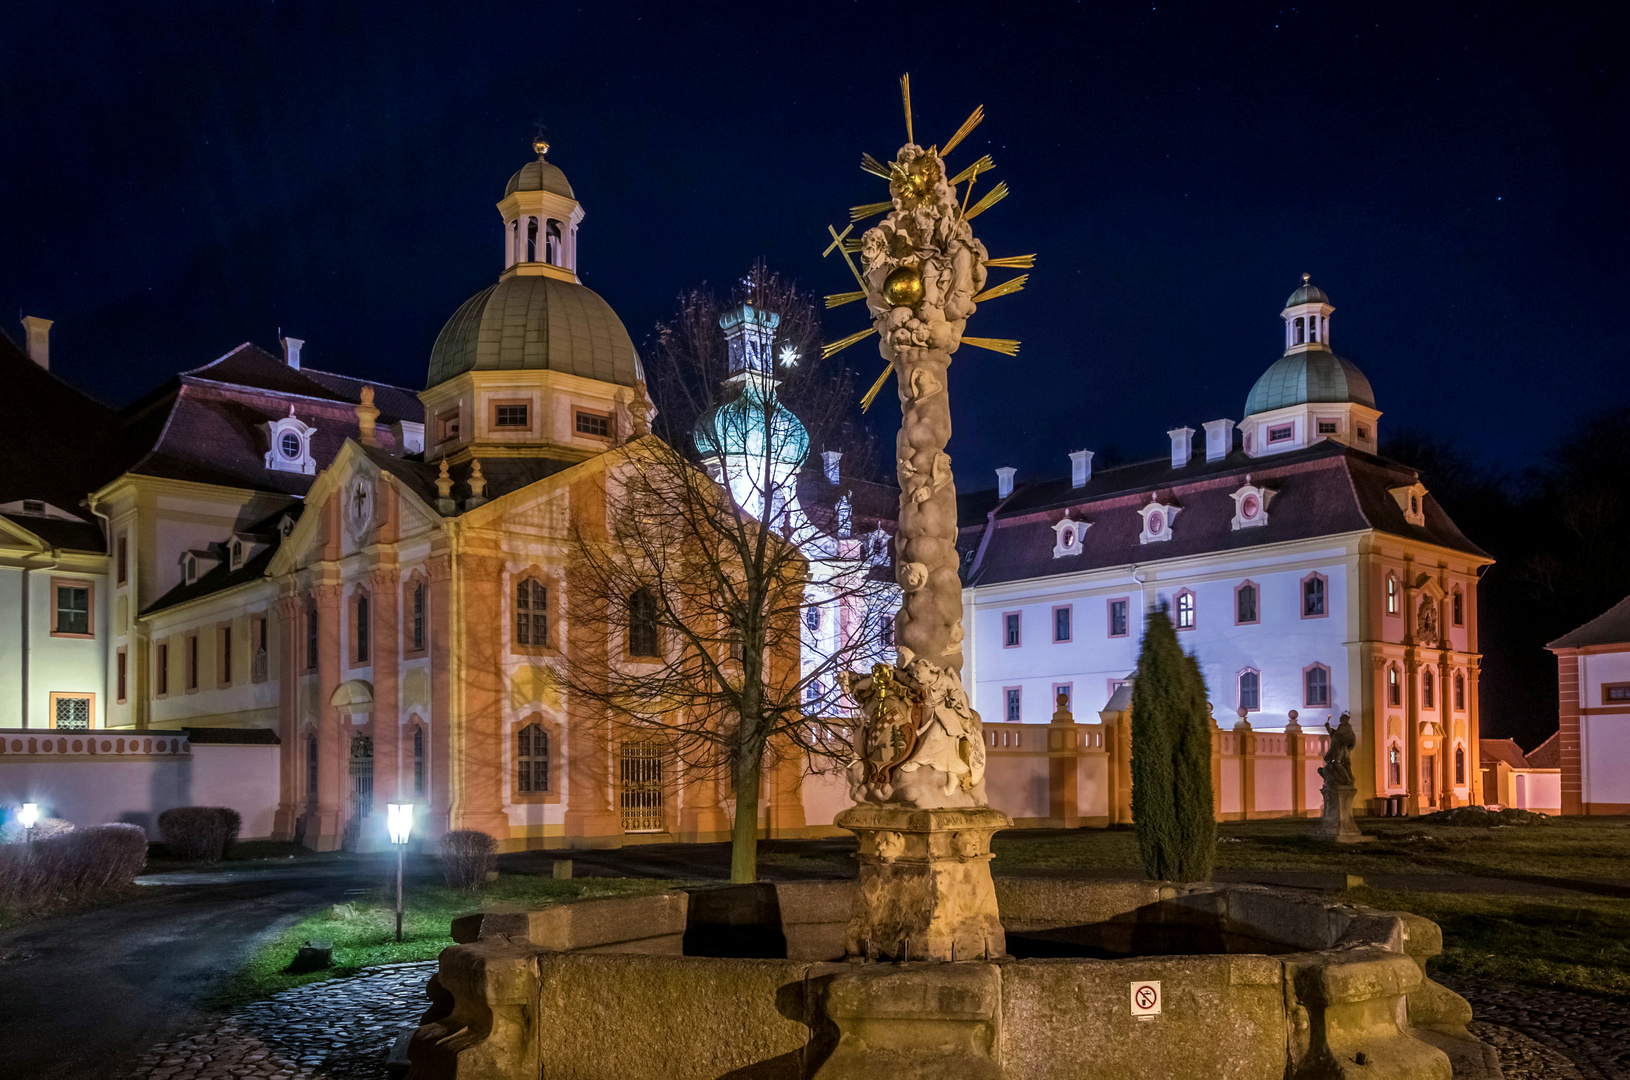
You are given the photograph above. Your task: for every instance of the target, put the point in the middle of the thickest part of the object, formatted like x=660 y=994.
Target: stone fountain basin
x=1254 y=982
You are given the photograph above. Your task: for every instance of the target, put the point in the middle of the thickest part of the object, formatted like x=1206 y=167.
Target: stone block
x=1348 y=1015
x=313 y=956
x=915 y=1022
x=815 y=917
x=657 y=921
x=1221 y=1016
x=563 y=869
x=1045 y=903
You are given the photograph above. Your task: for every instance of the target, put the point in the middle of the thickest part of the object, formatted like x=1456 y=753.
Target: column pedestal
x=925 y=888
x=1337 y=821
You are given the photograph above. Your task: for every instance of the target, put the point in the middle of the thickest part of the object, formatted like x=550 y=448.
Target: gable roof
x=1548 y=754
x=1324 y=490
x=1612 y=627
x=1490 y=751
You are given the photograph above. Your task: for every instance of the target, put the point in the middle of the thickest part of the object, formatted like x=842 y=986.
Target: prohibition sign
x=1146 y=999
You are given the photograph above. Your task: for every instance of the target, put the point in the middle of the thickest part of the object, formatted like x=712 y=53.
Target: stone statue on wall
x=1336 y=822
x=1338 y=766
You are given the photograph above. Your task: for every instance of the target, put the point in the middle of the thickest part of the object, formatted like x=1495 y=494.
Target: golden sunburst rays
x=905 y=96
x=962 y=132
x=847 y=245
x=1005 y=346
x=1006 y=288
x=843 y=343
x=992 y=197
x=984 y=164
x=871 y=395
x=861 y=213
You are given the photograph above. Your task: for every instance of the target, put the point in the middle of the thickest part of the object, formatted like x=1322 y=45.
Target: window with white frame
x=1316 y=687
x=532 y=760
x=1185 y=609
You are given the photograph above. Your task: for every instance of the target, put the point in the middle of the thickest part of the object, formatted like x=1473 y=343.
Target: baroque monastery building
x=1308 y=576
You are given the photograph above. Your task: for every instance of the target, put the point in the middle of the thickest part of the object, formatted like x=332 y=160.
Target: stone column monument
x=918 y=776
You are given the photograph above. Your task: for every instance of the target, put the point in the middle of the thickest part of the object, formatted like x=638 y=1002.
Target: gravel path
x=342 y=1030
x=335 y=1030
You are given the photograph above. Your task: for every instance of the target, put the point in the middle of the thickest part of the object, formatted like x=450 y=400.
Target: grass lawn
x=160 y=859
x=363 y=930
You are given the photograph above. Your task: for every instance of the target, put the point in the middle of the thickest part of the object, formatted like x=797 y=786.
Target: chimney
x=1182 y=446
x=1219 y=439
x=1004 y=481
x=830 y=459
x=39 y=340
x=291 y=351
x=1080 y=468
x=367 y=415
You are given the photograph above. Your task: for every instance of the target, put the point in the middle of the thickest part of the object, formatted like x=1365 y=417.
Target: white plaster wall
x=1598 y=668
x=55 y=665
x=91 y=791
x=1605 y=747
x=1280 y=645
x=1273 y=784
x=1541 y=791
x=825 y=795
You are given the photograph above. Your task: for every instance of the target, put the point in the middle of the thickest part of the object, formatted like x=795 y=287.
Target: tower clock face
x=359 y=506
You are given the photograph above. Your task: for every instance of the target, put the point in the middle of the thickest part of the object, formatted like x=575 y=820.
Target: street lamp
x=29 y=814
x=399 y=820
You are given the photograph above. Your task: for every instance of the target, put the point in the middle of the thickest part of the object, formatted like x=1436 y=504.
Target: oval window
x=291 y=445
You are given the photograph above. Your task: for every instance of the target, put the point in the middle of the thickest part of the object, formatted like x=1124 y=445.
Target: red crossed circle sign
x=1146 y=997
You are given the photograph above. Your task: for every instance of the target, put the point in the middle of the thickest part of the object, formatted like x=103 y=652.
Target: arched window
x=418 y=762
x=311 y=638
x=1392 y=594
x=1460 y=692
x=1460 y=766
x=1301 y=331
x=1316 y=684
x=1313 y=596
x=1312 y=328
x=531 y=239
x=418 y=617
x=531 y=612
x=360 y=614
x=1395 y=696
x=553 y=253
x=1185 y=610
x=532 y=760
x=1395 y=766
x=1245 y=603
x=643 y=638
x=1457 y=607
x=1250 y=690
x=1428 y=689
x=311 y=766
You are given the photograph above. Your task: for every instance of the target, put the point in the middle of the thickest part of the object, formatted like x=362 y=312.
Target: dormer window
x=1157 y=522
x=289 y=445
x=237 y=554
x=1411 y=499
x=1251 y=505
x=1067 y=536
x=1281 y=433
x=190 y=565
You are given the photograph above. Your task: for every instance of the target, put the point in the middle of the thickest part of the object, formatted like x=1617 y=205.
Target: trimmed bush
x=199 y=833
x=70 y=865
x=12 y=832
x=466 y=858
x=1171 y=760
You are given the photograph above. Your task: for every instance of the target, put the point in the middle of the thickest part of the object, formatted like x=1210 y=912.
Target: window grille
x=362 y=776
x=532 y=760
x=595 y=424
x=510 y=416
x=73 y=713
x=418 y=617
x=641 y=794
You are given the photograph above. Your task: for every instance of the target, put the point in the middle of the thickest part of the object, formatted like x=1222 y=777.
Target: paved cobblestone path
x=1590 y=1034
x=342 y=1030
x=335 y=1030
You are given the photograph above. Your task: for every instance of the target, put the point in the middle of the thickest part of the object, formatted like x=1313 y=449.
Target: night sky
x=178 y=180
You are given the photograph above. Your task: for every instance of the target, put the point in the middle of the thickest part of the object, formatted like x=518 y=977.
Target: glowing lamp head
x=29 y=814
x=399 y=821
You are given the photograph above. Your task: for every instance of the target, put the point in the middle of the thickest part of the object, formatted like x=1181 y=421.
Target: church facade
x=1309 y=577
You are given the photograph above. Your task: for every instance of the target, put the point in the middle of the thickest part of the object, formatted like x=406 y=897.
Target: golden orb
x=903 y=287
x=540 y=146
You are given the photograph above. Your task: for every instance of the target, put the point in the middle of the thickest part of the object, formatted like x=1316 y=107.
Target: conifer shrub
x=199 y=833
x=466 y=858
x=1171 y=760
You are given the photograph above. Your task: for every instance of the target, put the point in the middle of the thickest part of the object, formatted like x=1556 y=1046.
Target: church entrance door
x=641 y=797
x=362 y=788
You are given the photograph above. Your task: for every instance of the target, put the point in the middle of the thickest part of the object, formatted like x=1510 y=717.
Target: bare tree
x=703 y=574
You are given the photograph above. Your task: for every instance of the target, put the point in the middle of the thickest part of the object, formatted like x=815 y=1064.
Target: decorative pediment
x=355 y=696
x=360 y=507
x=1157 y=521
x=1411 y=499
x=1251 y=505
x=1067 y=536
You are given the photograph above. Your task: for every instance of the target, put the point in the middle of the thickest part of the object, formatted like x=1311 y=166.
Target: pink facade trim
x=1239 y=689
x=1126 y=615
x=1187 y=608
x=1307 y=697
x=1016 y=638
x=1011 y=696
x=1069 y=623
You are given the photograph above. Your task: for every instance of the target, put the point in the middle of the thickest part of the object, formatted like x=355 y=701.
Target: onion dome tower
x=1309 y=393
x=536 y=363
x=752 y=443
